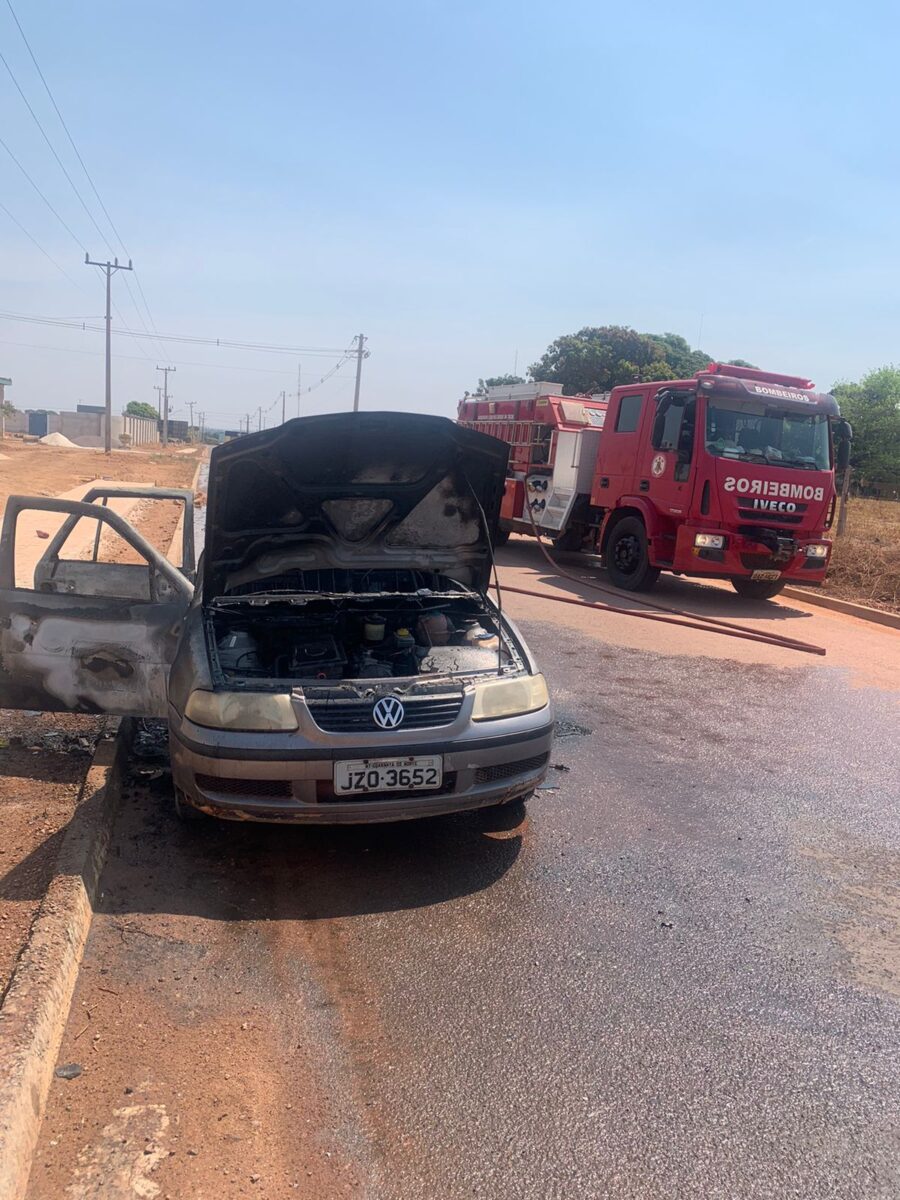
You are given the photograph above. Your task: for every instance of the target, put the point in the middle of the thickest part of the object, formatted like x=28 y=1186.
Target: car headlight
x=710 y=541
x=510 y=697
x=820 y=550
x=249 y=711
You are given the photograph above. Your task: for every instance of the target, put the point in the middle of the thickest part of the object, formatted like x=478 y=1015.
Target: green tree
x=599 y=358
x=497 y=381
x=742 y=362
x=679 y=356
x=137 y=408
x=872 y=407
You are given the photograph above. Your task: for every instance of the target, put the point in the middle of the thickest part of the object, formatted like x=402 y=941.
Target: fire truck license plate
x=766 y=575
x=411 y=774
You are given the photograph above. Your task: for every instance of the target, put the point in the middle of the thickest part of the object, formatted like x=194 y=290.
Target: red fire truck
x=729 y=475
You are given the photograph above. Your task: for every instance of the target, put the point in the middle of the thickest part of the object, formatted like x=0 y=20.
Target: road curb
x=36 y=1005
x=862 y=611
x=196 y=479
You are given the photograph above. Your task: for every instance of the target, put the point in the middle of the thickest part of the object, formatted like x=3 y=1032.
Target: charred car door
x=84 y=635
x=58 y=572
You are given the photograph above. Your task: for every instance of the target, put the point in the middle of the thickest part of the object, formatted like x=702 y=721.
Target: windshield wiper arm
x=799 y=462
x=755 y=456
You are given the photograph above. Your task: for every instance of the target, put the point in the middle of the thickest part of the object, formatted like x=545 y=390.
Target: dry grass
x=865 y=562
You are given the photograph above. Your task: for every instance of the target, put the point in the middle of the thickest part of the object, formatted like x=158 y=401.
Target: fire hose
x=666 y=616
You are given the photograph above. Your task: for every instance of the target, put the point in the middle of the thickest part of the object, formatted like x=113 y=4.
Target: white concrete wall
x=17 y=423
x=142 y=430
x=87 y=429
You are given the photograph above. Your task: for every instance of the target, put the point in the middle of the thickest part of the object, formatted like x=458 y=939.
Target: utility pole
x=165 y=431
x=190 y=405
x=298 y=388
x=109 y=269
x=247 y=430
x=259 y=419
x=283 y=397
x=157 y=387
x=202 y=417
x=360 y=355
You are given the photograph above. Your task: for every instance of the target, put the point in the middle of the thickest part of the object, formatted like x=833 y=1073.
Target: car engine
x=355 y=639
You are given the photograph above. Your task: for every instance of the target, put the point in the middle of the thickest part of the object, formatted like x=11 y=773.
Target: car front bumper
x=283 y=777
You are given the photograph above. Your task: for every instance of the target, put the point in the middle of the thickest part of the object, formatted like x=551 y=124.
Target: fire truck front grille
x=760 y=562
x=750 y=514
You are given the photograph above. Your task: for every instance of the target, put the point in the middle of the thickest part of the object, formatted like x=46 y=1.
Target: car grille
x=508 y=770
x=355 y=716
x=270 y=788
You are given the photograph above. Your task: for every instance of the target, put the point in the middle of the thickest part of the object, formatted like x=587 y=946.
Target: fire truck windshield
x=756 y=432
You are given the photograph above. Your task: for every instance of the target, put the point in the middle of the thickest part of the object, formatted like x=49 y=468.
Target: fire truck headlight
x=710 y=541
x=820 y=550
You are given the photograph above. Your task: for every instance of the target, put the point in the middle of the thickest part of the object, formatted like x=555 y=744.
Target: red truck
x=728 y=475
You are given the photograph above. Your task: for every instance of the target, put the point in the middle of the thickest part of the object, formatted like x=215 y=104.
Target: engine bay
x=355 y=637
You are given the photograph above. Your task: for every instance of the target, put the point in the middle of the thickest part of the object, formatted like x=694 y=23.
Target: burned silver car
x=340 y=660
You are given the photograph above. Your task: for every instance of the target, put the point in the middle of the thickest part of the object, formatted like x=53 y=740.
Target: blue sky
x=462 y=183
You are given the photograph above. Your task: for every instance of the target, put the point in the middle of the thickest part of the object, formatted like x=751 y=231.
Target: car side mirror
x=843 y=454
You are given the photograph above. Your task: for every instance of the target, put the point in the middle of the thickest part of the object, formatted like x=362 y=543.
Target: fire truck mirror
x=659 y=422
x=842 y=459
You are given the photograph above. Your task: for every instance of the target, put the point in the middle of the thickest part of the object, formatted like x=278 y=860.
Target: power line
x=60 y=162
x=125 y=328
x=134 y=358
x=45 y=253
x=140 y=314
x=74 y=236
x=64 y=125
x=348 y=354
x=186 y=339
x=62 y=166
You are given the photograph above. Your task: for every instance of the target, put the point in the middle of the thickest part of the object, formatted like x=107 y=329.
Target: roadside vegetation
x=865 y=562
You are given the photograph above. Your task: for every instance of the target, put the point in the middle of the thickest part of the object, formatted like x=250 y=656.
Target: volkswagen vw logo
x=388 y=712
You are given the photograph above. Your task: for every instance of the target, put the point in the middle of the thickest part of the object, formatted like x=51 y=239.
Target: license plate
x=411 y=774
x=766 y=576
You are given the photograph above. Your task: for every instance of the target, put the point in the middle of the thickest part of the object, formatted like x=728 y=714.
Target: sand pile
x=58 y=439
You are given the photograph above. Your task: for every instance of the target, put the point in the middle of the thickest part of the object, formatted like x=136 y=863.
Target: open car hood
x=352 y=490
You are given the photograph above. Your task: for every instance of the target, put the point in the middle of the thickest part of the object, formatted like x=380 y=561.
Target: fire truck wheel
x=755 y=589
x=626 y=557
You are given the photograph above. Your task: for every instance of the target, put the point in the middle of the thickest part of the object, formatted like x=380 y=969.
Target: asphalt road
x=678 y=975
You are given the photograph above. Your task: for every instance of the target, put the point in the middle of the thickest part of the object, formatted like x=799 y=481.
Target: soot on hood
x=354 y=491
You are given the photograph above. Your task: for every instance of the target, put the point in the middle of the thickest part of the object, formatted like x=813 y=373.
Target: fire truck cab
x=727 y=475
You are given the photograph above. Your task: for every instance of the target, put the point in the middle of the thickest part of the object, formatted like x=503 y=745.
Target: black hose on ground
x=672 y=616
